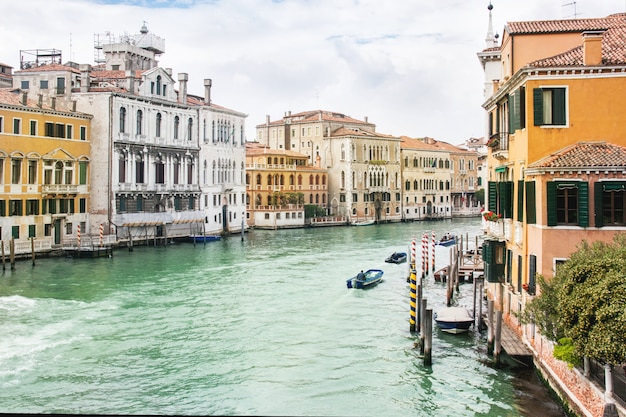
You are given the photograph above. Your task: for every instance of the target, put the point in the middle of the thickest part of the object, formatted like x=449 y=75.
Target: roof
x=14 y=96
x=347 y=131
x=430 y=144
x=585 y=155
x=49 y=68
x=316 y=115
x=613 y=28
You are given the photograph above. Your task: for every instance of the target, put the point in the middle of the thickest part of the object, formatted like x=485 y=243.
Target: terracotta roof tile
x=430 y=144
x=347 y=131
x=314 y=115
x=585 y=155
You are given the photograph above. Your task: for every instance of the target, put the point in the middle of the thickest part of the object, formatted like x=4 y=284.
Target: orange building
x=279 y=184
x=557 y=155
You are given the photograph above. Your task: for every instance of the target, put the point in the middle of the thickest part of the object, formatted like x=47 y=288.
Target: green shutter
x=551 y=203
x=516 y=111
x=82 y=172
x=531 y=210
x=512 y=113
x=522 y=107
x=583 y=204
x=558 y=107
x=3 y=208
x=538 y=106
x=520 y=201
x=498 y=119
x=493 y=196
x=597 y=194
x=507 y=200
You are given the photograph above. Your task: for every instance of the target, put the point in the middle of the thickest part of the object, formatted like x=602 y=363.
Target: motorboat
x=447 y=240
x=204 y=238
x=454 y=319
x=396 y=258
x=366 y=279
x=363 y=222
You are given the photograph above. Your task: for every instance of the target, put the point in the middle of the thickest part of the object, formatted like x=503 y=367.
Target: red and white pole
x=433 y=240
x=78 y=235
x=101 y=233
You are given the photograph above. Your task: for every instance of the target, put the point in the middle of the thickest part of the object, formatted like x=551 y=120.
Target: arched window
x=58 y=172
x=158 y=85
x=176 y=126
x=343 y=152
x=258 y=179
x=139 y=122
x=123 y=120
x=176 y=169
x=213 y=131
x=158 y=125
x=190 y=129
x=343 y=179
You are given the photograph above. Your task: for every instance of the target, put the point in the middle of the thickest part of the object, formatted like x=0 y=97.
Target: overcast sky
x=410 y=66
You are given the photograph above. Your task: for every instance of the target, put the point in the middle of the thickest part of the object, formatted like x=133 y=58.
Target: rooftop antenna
x=572 y=4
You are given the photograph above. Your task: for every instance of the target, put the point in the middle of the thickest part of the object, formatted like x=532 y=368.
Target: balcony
x=59 y=189
x=499 y=144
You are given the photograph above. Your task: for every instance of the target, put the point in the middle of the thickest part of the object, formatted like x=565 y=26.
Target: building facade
x=279 y=184
x=556 y=159
x=363 y=165
x=166 y=164
x=45 y=171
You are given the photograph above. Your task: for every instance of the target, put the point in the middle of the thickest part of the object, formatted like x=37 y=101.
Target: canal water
x=259 y=326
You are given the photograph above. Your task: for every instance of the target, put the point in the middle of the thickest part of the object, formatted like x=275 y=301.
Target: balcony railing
x=60 y=189
x=499 y=141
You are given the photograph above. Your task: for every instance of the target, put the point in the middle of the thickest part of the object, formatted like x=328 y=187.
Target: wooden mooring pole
x=12 y=253
x=490 y=329
x=497 y=349
x=428 y=339
x=3 y=260
x=32 y=249
x=423 y=325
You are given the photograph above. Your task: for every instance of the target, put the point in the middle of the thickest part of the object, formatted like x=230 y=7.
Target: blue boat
x=396 y=258
x=366 y=279
x=447 y=240
x=204 y=238
x=454 y=320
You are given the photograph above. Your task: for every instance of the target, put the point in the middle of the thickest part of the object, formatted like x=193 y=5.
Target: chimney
x=130 y=81
x=53 y=103
x=365 y=119
x=84 y=69
x=74 y=106
x=182 y=80
x=39 y=100
x=24 y=99
x=207 y=90
x=168 y=71
x=267 y=119
x=592 y=48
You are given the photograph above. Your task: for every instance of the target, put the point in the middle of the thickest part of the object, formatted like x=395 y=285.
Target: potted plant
x=490 y=216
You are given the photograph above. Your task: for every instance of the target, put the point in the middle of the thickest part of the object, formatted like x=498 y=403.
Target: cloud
x=410 y=66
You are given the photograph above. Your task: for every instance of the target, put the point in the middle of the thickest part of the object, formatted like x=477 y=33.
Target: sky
x=409 y=66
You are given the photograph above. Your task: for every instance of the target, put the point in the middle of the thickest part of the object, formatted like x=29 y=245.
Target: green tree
x=586 y=301
x=479 y=195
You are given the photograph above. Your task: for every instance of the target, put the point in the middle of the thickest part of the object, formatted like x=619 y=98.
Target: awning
x=501 y=168
x=614 y=186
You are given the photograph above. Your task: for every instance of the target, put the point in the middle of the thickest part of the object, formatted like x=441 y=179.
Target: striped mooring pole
x=413 y=288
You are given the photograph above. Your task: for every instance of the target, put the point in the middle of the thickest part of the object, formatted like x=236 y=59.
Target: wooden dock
x=512 y=344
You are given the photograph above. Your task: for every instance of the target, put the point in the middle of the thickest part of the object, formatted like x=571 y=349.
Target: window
x=176 y=170
x=190 y=129
x=83 y=133
x=567 y=203
x=32 y=230
x=59 y=130
x=15 y=232
x=32 y=207
x=610 y=202
x=3 y=208
x=159 y=171
x=123 y=120
x=549 y=106
x=176 y=126
x=139 y=170
x=33 y=127
x=16 y=126
x=15 y=207
x=16 y=171
x=82 y=172
x=60 y=85
x=24 y=85
x=49 y=129
x=68 y=130
x=43 y=84
x=82 y=205
x=32 y=172
x=139 y=122
x=68 y=228
x=517 y=115
x=1 y=123
x=158 y=125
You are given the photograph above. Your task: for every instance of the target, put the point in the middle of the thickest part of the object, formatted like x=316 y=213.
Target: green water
x=263 y=326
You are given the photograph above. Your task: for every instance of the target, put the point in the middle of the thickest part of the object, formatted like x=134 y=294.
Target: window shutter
x=531 y=210
x=583 y=204
x=558 y=106
x=522 y=107
x=512 y=113
x=538 y=106
x=597 y=194
x=507 y=200
x=520 y=201
x=516 y=111
x=551 y=203
x=493 y=196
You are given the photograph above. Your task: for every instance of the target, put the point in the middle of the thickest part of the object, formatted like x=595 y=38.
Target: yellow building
x=44 y=172
x=557 y=152
x=279 y=184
